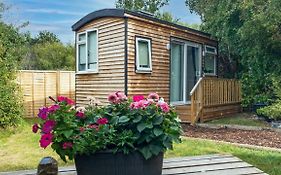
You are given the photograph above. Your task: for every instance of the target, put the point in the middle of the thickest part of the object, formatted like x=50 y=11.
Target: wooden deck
x=209 y=165
x=198 y=165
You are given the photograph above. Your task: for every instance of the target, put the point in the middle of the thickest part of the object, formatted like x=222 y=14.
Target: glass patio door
x=185 y=70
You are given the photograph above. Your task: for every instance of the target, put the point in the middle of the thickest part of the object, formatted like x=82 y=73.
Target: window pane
x=92 y=50
x=143 y=54
x=82 y=37
x=177 y=71
x=210 y=49
x=82 y=57
x=209 y=63
x=192 y=71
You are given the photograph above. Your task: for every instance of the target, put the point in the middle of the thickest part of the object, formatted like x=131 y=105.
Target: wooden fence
x=214 y=97
x=37 y=86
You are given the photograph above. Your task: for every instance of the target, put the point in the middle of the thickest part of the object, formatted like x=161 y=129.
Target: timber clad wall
x=111 y=25
x=159 y=80
x=37 y=86
x=110 y=76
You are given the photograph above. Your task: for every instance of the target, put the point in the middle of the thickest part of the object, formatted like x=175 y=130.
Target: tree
x=11 y=51
x=167 y=16
x=47 y=52
x=249 y=33
x=45 y=37
x=151 y=6
x=53 y=56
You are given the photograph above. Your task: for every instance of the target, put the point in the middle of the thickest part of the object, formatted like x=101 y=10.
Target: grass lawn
x=19 y=149
x=246 y=119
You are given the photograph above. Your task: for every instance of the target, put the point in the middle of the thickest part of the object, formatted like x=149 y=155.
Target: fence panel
x=37 y=86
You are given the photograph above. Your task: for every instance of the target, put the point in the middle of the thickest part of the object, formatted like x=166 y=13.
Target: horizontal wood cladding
x=220 y=111
x=110 y=77
x=184 y=112
x=160 y=35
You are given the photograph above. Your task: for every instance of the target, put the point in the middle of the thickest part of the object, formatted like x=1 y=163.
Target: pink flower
x=153 y=96
x=112 y=98
x=102 y=121
x=46 y=140
x=132 y=105
x=48 y=126
x=137 y=98
x=53 y=108
x=70 y=101
x=93 y=126
x=35 y=128
x=65 y=99
x=164 y=106
x=121 y=96
x=67 y=145
x=43 y=113
x=80 y=114
x=61 y=98
x=82 y=129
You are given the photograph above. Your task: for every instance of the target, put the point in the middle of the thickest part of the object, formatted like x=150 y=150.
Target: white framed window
x=87 y=51
x=210 y=66
x=143 y=55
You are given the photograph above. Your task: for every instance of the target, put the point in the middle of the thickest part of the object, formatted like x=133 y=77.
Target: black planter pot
x=107 y=163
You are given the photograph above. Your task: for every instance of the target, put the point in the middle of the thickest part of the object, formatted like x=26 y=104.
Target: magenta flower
x=43 y=113
x=153 y=96
x=46 y=140
x=102 y=121
x=67 y=145
x=53 y=108
x=35 y=128
x=48 y=126
x=65 y=99
x=80 y=114
x=82 y=129
x=164 y=106
x=70 y=101
x=112 y=98
x=137 y=98
x=93 y=126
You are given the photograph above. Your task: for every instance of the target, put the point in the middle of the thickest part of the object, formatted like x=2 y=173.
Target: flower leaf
x=157 y=131
x=141 y=127
x=123 y=119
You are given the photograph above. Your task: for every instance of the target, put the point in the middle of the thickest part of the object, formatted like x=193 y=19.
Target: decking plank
x=205 y=168
x=214 y=156
x=235 y=171
x=192 y=163
x=197 y=165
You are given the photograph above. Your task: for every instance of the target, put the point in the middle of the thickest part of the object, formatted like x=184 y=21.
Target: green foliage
x=151 y=6
x=45 y=37
x=249 y=34
x=10 y=55
x=50 y=56
x=120 y=127
x=273 y=111
x=167 y=16
x=46 y=52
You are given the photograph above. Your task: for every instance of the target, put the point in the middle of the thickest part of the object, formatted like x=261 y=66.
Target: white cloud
x=54 y=11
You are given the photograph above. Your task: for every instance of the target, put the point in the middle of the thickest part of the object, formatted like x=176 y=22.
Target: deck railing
x=214 y=91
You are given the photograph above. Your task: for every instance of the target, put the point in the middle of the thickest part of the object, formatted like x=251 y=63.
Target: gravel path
x=258 y=138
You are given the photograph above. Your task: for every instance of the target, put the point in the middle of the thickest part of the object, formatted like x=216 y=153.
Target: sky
x=58 y=16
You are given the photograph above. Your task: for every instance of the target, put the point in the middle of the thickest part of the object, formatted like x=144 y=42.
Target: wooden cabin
x=134 y=52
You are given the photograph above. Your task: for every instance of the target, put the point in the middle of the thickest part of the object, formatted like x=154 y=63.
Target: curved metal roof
x=121 y=14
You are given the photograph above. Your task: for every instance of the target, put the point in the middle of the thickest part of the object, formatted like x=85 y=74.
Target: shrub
x=272 y=112
x=11 y=51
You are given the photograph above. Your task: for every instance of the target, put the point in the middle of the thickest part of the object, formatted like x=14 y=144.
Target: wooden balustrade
x=213 y=92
